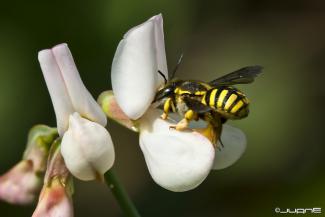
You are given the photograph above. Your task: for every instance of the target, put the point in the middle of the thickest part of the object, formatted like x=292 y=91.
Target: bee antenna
x=221 y=143
x=177 y=65
x=162 y=75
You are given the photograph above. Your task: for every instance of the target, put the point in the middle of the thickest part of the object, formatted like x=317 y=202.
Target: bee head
x=166 y=91
x=169 y=87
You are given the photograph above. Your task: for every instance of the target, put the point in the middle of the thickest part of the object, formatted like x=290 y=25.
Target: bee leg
x=221 y=143
x=210 y=133
x=167 y=105
x=183 y=124
x=213 y=129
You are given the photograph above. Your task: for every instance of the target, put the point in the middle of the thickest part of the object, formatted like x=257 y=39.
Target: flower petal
x=57 y=89
x=80 y=97
x=21 y=184
x=54 y=201
x=160 y=48
x=177 y=161
x=135 y=70
x=234 y=141
x=87 y=148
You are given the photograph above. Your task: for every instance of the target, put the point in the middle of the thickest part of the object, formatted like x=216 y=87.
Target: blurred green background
x=284 y=162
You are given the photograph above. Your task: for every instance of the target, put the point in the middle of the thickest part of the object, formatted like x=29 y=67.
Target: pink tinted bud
x=56 y=197
x=21 y=184
x=109 y=105
x=54 y=201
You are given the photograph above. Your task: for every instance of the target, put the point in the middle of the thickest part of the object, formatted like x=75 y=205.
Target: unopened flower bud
x=56 y=197
x=112 y=110
x=22 y=183
x=54 y=201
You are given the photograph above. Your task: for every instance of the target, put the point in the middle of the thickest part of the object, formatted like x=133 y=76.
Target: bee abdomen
x=228 y=101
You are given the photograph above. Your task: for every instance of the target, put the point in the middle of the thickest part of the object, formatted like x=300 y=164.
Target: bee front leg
x=167 y=105
x=183 y=124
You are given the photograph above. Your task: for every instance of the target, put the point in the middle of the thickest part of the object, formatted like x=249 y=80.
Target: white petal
x=177 y=161
x=57 y=89
x=234 y=141
x=135 y=70
x=87 y=148
x=160 y=48
x=80 y=97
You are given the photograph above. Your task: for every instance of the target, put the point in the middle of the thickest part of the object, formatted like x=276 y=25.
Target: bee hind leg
x=183 y=124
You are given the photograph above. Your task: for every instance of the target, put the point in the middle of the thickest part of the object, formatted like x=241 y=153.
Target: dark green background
x=284 y=162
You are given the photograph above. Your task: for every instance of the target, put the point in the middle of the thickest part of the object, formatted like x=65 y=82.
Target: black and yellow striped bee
x=215 y=101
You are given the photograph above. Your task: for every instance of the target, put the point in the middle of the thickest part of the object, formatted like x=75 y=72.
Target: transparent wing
x=234 y=141
x=244 y=75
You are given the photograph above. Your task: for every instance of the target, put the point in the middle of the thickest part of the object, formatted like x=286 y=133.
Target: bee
x=215 y=101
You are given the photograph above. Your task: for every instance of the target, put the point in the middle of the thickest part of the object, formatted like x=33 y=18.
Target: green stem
x=120 y=195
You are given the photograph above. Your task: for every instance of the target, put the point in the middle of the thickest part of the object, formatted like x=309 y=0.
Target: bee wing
x=196 y=105
x=234 y=141
x=244 y=75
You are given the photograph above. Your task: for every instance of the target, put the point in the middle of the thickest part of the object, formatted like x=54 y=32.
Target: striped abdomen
x=227 y=101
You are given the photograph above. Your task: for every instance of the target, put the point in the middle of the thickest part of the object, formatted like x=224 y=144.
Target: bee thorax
x=181 y=107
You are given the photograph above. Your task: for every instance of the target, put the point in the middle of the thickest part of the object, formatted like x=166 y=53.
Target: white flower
x=234 y=141
x=137 y=60
x=77 y=113
x=177 y=161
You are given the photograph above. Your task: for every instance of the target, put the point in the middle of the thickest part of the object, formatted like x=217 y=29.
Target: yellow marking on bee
x=239 y=104
x=222 y=97
x=230 y=101
x=167 y=105
x=200 y=93
x=213 y=97
x=203 y=99
x=189 y=114
x=180 y=91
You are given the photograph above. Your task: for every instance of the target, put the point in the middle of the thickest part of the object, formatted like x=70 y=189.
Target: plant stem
x=120 y=195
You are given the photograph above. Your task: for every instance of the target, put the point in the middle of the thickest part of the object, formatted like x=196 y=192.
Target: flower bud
x=22 y=183
x=87 y=148
x=54 y=201
x=67 y=91
x=56 y=197
x=112 y=110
